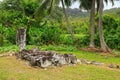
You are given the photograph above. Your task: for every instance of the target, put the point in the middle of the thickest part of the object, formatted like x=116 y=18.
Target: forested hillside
x=78 y=13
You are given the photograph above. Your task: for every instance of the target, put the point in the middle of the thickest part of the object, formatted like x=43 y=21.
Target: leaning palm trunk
x=92 y=21
x=66 y=18
x=103 y=44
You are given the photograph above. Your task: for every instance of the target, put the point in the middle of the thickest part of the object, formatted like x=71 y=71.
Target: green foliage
x=50 y=35
x=111 y=35
x=9 y=35
x=15 y=16
x=15 y=48
x=66 y=39
x=53 y=28
x=35 y=36
x=12 y=48
x=115 y=11
x=111 y=27
x=82 y=39
x=59 y=48
x=1 y=40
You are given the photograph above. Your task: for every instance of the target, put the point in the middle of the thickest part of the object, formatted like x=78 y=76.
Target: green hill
x=77 y=13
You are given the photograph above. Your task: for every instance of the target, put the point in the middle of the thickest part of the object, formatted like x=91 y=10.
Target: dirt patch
x=93 y=49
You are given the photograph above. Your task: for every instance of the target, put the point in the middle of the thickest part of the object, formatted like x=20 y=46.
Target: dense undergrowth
x=57 y=34
x=53 y=28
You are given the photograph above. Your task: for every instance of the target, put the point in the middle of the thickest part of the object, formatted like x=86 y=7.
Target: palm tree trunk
x=103 y=44
x=66 y=18
x=92 y=22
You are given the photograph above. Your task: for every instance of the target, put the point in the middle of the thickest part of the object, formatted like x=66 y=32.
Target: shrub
x=66 y=39
x=50 y=35
x=10 y=35
x=111 y=31
x=34 y=36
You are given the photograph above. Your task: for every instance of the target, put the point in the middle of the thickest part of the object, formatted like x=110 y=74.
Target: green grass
x=76 y=35
x=14 y=48
x=13 y=69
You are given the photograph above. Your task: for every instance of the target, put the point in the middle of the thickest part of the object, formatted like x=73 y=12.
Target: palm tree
x=90 y=6
x=66 y=18
x=87 y=5
x=103 y=44
x=47 y=7
x=92 y=23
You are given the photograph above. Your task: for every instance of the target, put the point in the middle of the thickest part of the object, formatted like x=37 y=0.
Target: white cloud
x=107 y=6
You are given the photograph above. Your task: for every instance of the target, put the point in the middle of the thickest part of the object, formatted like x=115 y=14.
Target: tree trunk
x=66 y=18
x=103 y=44
x=21 y=38
x=92 y=22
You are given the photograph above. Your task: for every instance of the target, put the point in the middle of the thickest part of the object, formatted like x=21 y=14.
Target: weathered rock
x=85 y=61
x=111 y=66
x=117 y=66
x=45 y=59
x=96 y=63
x=79 y=61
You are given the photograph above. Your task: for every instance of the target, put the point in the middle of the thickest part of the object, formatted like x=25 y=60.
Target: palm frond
x=67 y=2
x=53 y=4
x=46 y=8
x=42 y=10
x=85 y=4
x=112 y=1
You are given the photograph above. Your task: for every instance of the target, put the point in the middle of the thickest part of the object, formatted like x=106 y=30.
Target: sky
x=107 y=6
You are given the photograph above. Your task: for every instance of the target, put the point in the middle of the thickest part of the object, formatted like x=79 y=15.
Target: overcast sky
x=107 y=6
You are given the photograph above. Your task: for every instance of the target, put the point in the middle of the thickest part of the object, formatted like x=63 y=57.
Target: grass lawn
x=13 y=69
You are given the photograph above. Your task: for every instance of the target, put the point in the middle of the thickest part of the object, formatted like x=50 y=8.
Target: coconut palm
x=92 y=22
x=86 y=4
x=90 y=5
x=48 y=6
x=103 y=44
x=66 y=18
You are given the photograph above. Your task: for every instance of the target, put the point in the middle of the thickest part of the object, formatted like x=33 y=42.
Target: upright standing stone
x=21 y=38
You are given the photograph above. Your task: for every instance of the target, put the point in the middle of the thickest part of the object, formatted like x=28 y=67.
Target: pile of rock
x=45 y=59
x=85 y=61
x=114 y=66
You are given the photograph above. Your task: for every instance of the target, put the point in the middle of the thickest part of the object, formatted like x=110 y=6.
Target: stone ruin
x=44 y=59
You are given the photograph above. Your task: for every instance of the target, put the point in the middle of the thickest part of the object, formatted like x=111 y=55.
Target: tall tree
x=90 y=5
x=103 y=44
x=92 y=23
x=48 y=6
x=66 y=18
